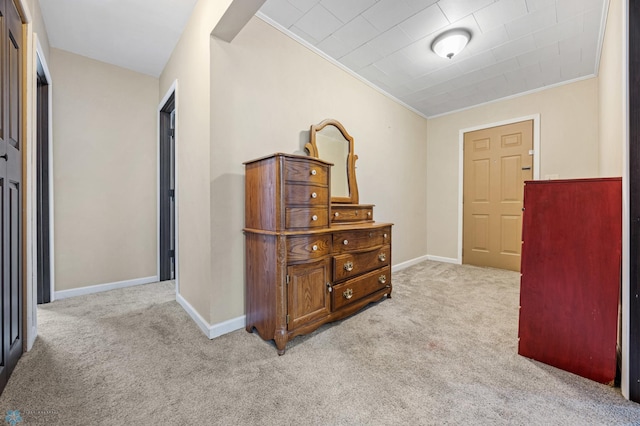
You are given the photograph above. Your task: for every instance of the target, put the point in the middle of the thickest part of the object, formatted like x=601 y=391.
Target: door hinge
x=172 y=132
x=288 y=318
x=172 y=193
x=172 y=253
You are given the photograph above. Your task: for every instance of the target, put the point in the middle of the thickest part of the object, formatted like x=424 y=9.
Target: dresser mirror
x=330 y=141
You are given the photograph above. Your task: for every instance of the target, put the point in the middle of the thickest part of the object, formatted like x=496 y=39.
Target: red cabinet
x=570 y=285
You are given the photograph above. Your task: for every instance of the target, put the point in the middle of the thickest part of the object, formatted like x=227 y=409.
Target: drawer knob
x=336 y=214
x=348 y=266
x=382 y=279
x=313 y=172
x=314 y=248
x=345 y=242
x=381 y=257
x=329 y=288
x=370 y=234
x=314 y=195
x=369 y=214
x=348 y=294
x=314 y=217
x=384 y=236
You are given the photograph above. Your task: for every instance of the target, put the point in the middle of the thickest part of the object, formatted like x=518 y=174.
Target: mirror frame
x=312 y=148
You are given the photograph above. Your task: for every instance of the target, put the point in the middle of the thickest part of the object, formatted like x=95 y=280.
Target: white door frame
x=31 y=259
x=173 y=90
x=47 y=75
x=536 y=162
x=626 y=279
x=32 y=250
x=29 y=84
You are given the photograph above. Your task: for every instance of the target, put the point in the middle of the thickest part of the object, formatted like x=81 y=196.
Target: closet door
x=10 y=187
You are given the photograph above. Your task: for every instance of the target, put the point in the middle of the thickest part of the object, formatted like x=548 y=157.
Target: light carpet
x=443 y=350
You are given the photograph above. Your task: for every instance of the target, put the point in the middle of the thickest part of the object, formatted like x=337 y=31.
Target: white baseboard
x=227 y=326
x=215 y=330
x=64 y=294
x=444 y=259
x=32 y=338
x=195 y=316
x=405 y=265
x=408 y=263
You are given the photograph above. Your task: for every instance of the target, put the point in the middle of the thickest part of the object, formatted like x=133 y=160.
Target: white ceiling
x=516 y=45
x=134 y=34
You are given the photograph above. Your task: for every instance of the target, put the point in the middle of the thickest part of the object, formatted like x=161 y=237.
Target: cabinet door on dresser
x=308 y=292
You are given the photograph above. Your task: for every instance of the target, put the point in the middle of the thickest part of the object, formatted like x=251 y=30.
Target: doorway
x=166 y=190
x=496 y=162
x=43 y=185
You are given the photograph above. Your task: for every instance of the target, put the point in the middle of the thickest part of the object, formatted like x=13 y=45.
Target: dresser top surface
x=292 y=156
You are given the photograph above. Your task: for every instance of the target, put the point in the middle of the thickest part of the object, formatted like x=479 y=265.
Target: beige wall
x=610 y=91
x=190 y=65
x=258 y=95
x=266 y=90
x=568 y=139
x=104 y=122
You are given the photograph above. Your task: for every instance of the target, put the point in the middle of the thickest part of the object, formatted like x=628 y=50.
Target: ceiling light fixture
x=450 y=43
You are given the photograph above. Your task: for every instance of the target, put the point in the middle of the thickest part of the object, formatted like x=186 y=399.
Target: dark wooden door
x=42 y=192
x=11 y=187
x=167 y=190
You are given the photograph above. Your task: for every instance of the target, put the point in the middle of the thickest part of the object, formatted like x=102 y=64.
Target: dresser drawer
x=341 y=214
x=306 y=171
x=360 y=239
x=304 y=218
x=306 y=194
x=308 y=247
x=352 y=264
x=359 y=287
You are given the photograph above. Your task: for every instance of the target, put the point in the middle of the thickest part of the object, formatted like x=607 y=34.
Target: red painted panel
x=569 y=292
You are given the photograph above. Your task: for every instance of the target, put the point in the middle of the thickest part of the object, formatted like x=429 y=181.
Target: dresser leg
x=281 y=341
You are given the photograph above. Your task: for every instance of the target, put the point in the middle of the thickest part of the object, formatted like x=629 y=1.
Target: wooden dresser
x=307 y=263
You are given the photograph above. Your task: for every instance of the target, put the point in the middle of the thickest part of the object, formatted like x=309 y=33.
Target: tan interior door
x=497 y=161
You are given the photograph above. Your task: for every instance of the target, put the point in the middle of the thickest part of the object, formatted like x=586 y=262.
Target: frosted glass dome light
x=450 y=43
